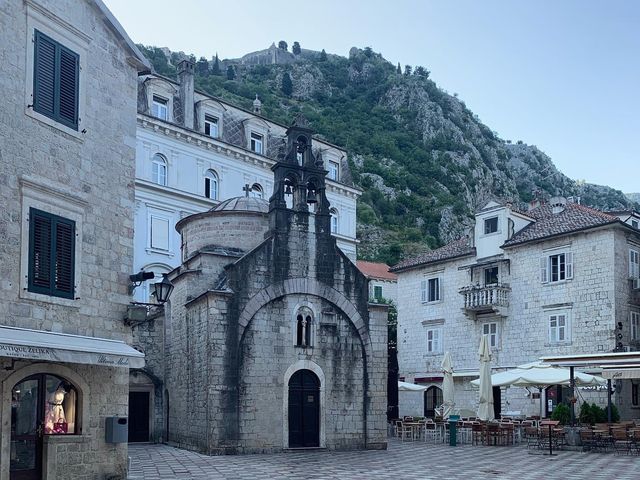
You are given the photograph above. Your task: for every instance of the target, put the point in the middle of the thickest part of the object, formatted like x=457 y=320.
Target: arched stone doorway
x=304 y=409
x=432 y=400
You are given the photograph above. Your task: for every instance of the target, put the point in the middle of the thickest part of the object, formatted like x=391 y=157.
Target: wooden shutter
x=544 y=266
x=68 y=109
x=51 y=254
x=44 y=74
x=634 y=268
x=568 y=265
x=39 y=251
x=423 y=290
x=55 y=81
x=64 y=240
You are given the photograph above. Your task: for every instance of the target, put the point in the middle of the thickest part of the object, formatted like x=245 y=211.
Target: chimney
x=186 y=79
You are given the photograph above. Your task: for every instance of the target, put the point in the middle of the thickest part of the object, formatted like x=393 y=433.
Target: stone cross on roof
x=246 y=189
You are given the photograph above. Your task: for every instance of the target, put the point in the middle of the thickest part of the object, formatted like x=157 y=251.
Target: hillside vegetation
x=423 y=159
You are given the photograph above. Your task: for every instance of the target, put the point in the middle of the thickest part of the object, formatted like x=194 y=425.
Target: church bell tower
x=299 y=185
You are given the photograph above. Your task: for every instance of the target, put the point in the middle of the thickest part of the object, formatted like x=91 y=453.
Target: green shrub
x=562 y=414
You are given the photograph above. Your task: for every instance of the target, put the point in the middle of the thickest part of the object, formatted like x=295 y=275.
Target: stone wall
x=85 y=175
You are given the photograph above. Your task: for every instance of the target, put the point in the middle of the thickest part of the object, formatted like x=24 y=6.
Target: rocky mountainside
x=634 y=197
x=423 y=159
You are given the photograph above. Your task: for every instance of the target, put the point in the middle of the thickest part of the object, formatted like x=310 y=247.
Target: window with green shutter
x=51 y=254
x=55 y=81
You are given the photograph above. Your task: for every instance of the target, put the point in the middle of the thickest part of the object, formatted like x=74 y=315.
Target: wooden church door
x=304 y=410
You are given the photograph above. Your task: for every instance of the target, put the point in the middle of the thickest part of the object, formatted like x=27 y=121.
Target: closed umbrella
x=485 y=407
x=447 y=386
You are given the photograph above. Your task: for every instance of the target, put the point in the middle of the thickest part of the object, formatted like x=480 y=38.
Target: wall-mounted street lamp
x=140 y=312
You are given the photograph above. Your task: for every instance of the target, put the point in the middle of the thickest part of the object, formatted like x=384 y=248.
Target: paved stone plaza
x=402 y=461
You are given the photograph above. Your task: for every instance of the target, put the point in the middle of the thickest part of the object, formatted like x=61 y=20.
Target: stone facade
x=595 y=299
x=232 y=338
x=85 y=175
x=195 y=152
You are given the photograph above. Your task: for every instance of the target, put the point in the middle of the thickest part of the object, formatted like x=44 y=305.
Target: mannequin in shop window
x=55 y=421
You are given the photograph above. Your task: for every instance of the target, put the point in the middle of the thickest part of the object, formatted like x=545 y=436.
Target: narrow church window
x=303 y=330
x=256 y=142
x=334 y=220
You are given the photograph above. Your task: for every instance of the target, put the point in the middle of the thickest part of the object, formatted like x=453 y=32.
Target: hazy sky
x=562 y=75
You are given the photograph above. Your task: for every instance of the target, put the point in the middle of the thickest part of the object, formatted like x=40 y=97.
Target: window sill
x=43 y=297
x=433 y=354
x=557 y=282
x=559 y=344
x=434 y=302
x=160 y=252
x=54 y=124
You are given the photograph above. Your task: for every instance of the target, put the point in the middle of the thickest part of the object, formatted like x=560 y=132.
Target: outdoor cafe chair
x=431 y=432
x=588 y=439
x=405 y=431
x=621 y=441
x=478 y=435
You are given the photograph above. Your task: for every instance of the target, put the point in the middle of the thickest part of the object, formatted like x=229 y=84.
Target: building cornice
x=173 y=192
x=233 y=152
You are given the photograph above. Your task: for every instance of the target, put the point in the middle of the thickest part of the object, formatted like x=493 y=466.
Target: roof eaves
x=137 y=59
x=433 y=262
x=509 y=243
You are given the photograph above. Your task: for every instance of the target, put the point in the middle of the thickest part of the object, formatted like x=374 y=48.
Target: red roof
x=376 y=270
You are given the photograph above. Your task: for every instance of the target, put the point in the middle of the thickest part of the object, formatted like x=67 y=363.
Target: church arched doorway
x=304 y=410
x=432 y=400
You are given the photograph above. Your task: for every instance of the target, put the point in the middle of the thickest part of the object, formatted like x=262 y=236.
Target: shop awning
x=620 y=372
x=61 y=347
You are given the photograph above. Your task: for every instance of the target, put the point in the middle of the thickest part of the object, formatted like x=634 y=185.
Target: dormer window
x=159 y=108
x=334 y=171
x=211 y=126
x=490 y=225
x=634 y=224
x=256 y=143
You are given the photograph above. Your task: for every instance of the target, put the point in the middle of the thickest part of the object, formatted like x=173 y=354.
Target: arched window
x=46 y=400
x=256 y=191
x=159 y=170
x=304 y=327
x=334 y=220
x=211 y=184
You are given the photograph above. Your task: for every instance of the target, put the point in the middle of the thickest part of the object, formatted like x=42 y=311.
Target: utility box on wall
x=116 y=430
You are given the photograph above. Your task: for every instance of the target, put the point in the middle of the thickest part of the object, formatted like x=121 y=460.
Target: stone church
x=269 y=341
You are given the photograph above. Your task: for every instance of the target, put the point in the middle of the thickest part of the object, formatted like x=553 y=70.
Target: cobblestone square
x=410 y=460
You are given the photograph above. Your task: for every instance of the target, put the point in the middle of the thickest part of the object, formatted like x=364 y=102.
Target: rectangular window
x=490 y=225
x=52 y=241
x=256 y=142
x=635 y=325
x=434 y=340
x=159 y=172
x=159 y=108
x=211 y=126
x=634 y=268
x=491 y=276
x=159 y=234
x=55 y=81
x=334 y=171
x=491 y=329
x=556 y=268
x=634 y=395
x=558 y=328
x=634 y=224
x=377 y=292
x=430 y=290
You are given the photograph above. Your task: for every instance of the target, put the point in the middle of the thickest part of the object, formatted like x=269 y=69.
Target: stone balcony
x=485 y=299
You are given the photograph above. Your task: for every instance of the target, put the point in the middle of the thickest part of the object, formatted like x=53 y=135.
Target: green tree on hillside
x=215 y=68
x=231 y=73
x=202 y=67
x=282 y=45
x=296 y=48
x=287 y=84
x=323 y=56
x=399 y=69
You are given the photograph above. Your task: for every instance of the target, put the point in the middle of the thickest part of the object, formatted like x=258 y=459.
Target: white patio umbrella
x=410 y=387
x=541 y=375
x=485 y=407
x=447 y=386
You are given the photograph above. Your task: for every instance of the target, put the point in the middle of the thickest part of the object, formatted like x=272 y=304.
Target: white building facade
x=194 y=150
x=559 y=279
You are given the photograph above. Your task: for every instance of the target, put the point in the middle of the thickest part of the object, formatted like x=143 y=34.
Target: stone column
x=376 y=395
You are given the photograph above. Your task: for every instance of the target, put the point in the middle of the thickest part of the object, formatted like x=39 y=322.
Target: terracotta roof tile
x=548 y=224
x=376 y=270
x=457 y=248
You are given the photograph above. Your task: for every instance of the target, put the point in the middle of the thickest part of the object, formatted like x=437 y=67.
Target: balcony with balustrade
x=485 y=298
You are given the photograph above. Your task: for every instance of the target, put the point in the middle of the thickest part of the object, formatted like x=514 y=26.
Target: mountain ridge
x=426 y=163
